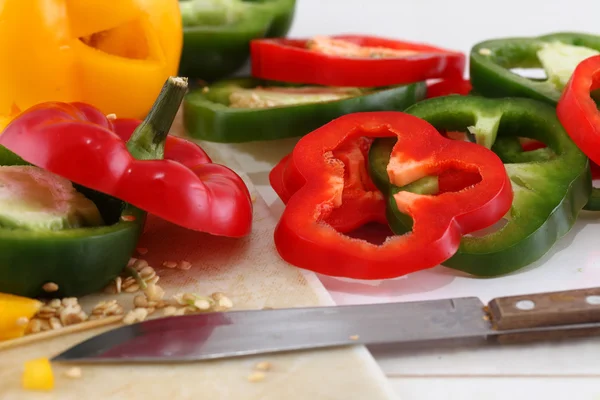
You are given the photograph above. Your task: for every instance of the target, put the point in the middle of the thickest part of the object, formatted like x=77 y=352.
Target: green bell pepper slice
x=217 y=33
x=559 y=53
x=285 y=110
x=80 y=261
x=550 y=185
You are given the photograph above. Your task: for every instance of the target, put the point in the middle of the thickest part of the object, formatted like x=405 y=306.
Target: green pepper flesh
x=217 y=33
x=207 y=115
x=550 y=188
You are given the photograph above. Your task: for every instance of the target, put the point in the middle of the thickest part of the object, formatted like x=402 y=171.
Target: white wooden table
x=526 y=372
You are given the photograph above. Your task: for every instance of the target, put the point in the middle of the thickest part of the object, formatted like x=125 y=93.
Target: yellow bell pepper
x=38 y=375
x=15 y=312
x=114 y=55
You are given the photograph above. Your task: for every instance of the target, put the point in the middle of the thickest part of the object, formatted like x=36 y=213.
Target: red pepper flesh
x=77 y=142
x=577 y=111
x=304 y=239
x=289 y=60
x=447 y=87
x=361 y=203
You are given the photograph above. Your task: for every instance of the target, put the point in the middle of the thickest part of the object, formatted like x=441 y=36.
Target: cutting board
x=250 y=272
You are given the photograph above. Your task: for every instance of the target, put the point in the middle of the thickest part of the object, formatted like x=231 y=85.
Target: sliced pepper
x=551 y=185
x=200 y=196
x=361 y=201
x=491 y=63
x=361 y=61
x=79 y=261
x=244 y=110
x=446 y=87
x=303 y=238
x=579 y=115
x=217 y=33
x=15 y=313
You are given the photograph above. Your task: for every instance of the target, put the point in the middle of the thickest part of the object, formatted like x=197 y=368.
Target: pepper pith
x=550 y=189
x=207 y=115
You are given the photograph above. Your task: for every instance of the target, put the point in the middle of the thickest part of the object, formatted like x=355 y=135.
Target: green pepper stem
x=148 y=140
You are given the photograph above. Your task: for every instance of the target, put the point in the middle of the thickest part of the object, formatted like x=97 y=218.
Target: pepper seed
x=257 y=376
x=50 y=287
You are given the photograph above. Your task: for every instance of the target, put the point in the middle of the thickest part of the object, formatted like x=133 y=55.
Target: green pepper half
x=217 y=33
x=80 y=261
x=550 y=185
x=245 y=109
x=559 y=53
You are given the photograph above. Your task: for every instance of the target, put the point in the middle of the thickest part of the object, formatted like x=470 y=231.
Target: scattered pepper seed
x=257 y=376
x=354 y=337
x=73 y=373
x=202 y=304
x=485 y=52
x=154 y=292
x=135 y=315
x=263 y=366
x=140 y=301
x=111 y=116
x=170 y=264
x=50 y=287
x=128 y=218
x=22 y=321
x=225 y=302
x=184 y=265
x=205 y=89
x=169 y=311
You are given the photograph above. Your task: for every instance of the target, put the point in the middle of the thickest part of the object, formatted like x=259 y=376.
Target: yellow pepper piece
x=113 y=55
x=38 y=375
x=15 y=311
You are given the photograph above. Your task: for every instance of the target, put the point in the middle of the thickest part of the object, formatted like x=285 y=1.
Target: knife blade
x=241 y=333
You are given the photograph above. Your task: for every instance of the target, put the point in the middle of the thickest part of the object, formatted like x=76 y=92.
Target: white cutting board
x=250 y=272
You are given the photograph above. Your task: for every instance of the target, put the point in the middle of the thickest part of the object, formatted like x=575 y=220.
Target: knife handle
x=545 y=309
x=553 y=335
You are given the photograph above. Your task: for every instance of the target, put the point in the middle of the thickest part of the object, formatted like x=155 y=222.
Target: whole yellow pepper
x=115 y=55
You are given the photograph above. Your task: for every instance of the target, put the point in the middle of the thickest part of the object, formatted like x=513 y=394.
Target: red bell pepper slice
x=577 y=111
x=290 y=60
x=77 y=142
x=361 y=202
x=303 y=239
x=446 y=87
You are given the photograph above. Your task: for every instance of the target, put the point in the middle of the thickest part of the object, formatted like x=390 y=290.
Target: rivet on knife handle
x=546 y=309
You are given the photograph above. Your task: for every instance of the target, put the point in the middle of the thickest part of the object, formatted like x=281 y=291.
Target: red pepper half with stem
x=361 y=202
x=352 y=60
x=304 y=239
x=77 y=142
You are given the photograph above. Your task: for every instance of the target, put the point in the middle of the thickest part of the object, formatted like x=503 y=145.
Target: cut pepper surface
x=491 y=63
x=77 y=142
x=551 y=184
x=352 y=60
x=579 y=114
x=361 y=201
x=305 y=239
x=227 y=111
x=217 y=33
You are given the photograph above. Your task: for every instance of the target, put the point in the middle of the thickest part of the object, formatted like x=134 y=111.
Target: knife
x=208 y=336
